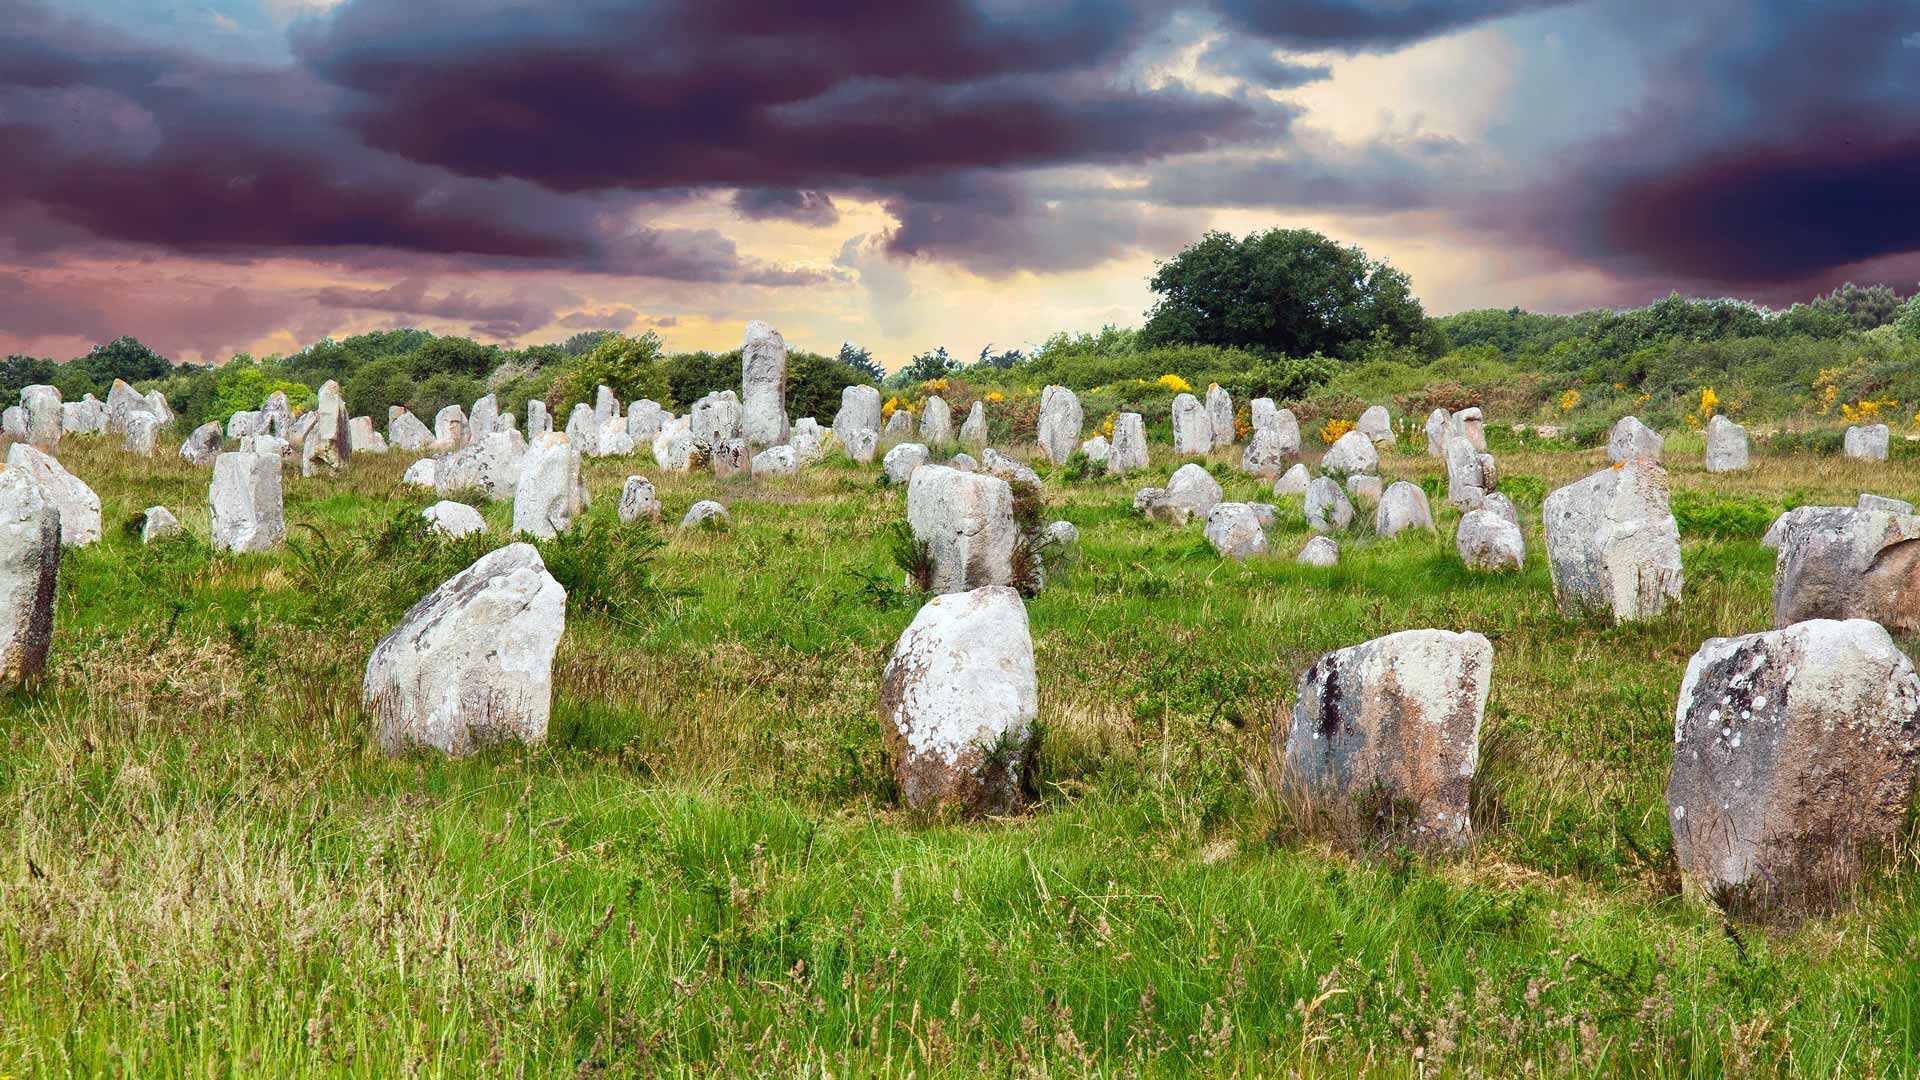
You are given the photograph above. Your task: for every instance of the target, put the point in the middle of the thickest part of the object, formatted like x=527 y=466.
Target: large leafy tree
x=123 y=358
x=1291 y=292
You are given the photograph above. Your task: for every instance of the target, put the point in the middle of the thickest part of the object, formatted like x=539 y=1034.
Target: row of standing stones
x=1778 y=735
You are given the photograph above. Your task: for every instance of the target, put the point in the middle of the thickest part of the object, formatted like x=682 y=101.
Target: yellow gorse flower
x=1568 y=400
x=1174 y=383
x=1331 y=431
x=994 y=397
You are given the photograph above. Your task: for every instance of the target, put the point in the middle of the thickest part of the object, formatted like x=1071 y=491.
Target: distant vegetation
x=1287 y=314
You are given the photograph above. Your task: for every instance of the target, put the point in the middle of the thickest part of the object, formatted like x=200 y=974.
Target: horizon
x=259 y=175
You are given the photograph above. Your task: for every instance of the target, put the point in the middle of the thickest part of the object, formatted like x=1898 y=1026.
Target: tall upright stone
x=763 y=387
x=483 y=419
x=246 y=502
x=1612 y=543
x=1726 y=445
x=1192 y=426
x=1841 y=562
x=45 y=418
x=936 y=421
x=973 y=430
x=1127 y=452
x=606 y=406
x=644 y=418
x=1438 y=421
x=548 y=495
x=1376 y=424
x=29 y=576
x=539 y=421
x=1059 y=424
x=966 y=521
x=449 y=428
x=203 y=445
x=1631 y=440
x=857 y=424
x=1220 y=416
x=1866 y=442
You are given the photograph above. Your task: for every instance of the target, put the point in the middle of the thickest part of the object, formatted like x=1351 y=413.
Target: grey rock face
x=1127 y=452
x=638 y=501
x=1235 y=531
x=857 y=424
x=936 y=421
x=246 y=503
x=1794 y=754
x=763 y=387
x=964 y=462
x=1097 y=450
x=1266 y=453
x=1470 y=474
x=966 y=521
x=84 y=417
x=1060 y=535
x=1220 y=416
x=1403 y=507
x=1192 y=426
x=1327 y=507
x=29 y=576
x=122 y=403
x=809 y=441
x=449 y=428
x=362 y=439
x=717 y=418
x=1376 y=424
x=406 y=432
x=1726 y=445
x=673 y=447
x=644 y=418
x=1883 y=504
x=1632 y=440
x=606 y=407
x=1059 y=425
x=279 y=414
x=1320 y=551
x=547 y=495
x=1350 y=454
x=454 y=518
x=1804 y=517
x=1008 y=469
x=1294 y=482
x=420 y=473
x=13 y=421
x=973 y=431
x=1487 y=541
x=472 y=663
x=1263 y=414
x=1468 y=424
x=484 y=420
x=1841 y=563
x=1396 y=720
x=157 y=405
x=706 y=514
x=902 y=460
x=203 y=445
x=1437 y=423
x=958 y=700
x=491 y=465
x=583 y=431
x=900 y=424
x=1866 y=442
x=775 y=461
x=78 y=506
x=1501 y=505
x=158 y=523
x=1191 y=493
x=325 y=448
x=1612 y=543
x=45 y=418
x=143 y=435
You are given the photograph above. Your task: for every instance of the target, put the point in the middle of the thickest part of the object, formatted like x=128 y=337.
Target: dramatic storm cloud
x=875 y=170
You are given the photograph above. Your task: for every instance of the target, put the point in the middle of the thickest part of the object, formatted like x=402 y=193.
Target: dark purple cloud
x=503 y=318
x=1354 y=25
x=786 y=204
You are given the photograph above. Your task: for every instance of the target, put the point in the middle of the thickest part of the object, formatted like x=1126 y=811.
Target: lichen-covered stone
x=1612 y=543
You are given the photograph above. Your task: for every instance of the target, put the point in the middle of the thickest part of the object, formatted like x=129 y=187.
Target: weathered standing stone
x=203 y=445
x=1487 y=541
x=1794 y=755
x=966 y=521
x=79 y=507
x=1612 y=543
x=158 y=523
x=638 y=500
x=245 y=500
x=449 y=428
x=29 y=576
x=1632 y=440
x=548 y=495
x=1386 y=734
x=362 y=439
x=1059 y=425
x=1726 y=445
x=1192 y=426
x=1266 y=454
x=728 y=457
x=857 y=424
x=809 y=441
x=1468 y=424
x=45 y=418
x=763 y=387
x=1220 y=415
x=143 y=435
x=265 y=444
x=606 y=407
x=301 y=425
x=1320 y=551
x=123 y=402
x=1008 y=469
x=245 y=423
x=1437 y=423
x=1867 y=442
x=484 y=418
x=1470 y=473
x=958 y=700
x=644 y=418
x=583 y=431
x=774 y=461
x=1263 y=414
x=1294 y=482
x=936 y=421
x=84 y=417
x=1327 y=507
x=472 y=663
x=279 y=414
x=1235 y=531
x=902 y=460
x=1194 y=490
x=13 y=421
x=673 y=446
x=1363 y=487
x=612 y=440
x=900 y=423
x=539 y=421
x=1128 y=451
x=491 y=465
x=973 y=431
x=1351 y=453
x=1838 y=562
x=964 y=462
x=1376 y=424
x=706 y=514
x=1501 y=505
x=1403 y=507
x=325 y=448
x=717 y=418
x=455 y=519
x=406 y=432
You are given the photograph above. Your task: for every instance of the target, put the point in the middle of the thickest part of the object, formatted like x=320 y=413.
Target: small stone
x=1726 y=445
x=775 y=461
x=857 y=424
x=1365 y=488
x=1866 y=442
x=420 y=473
x=1128 y=450
x=548 y=496
x=1883 y=504
x=46 y=420
x=706 y=514
x=963 y=462
x=1632 y=440
x=1327 y=507
x=1096 y=449
x=638 y=501
x=491 y=465
x=406 y=432
x=454 y=519
x=158 y=523
x=1294 y=482
x=1319 y=551
x=902 y=460
x=1487 y=541
x=203 y=445
x=1235 y=531
x=1220 y=416
x=936 y=421
x=1350 y=454
x=1403 y=507
x=973 y=432
x=1192 y=426
x=1437 y=423
x=1376 y=424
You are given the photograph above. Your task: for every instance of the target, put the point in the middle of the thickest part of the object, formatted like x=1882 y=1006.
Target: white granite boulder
x=1402 y=507
x=775 y=461
x=763 y=387
x=46 y=420
x=1631 y=440
x=1469 y=425
x=1486 y=541
x=1321 y=551
x=1471 y=474
x=639 y=501
x=420 y=473
x=1437 y=423
x=1059 y=423
x=644 y=418
x=203 y=445
x=406 y=432
x=936 y=421
x=1726 y=445
x=455 y=519
x=158 y=523
x=1220 y=415
x=1327 y=506
x=1192 y=426
x=857 y=424
x=973 y=431
x=1350 y=454
x=1294 y=481
x=1866 y=442
x=1376 y=423
x=1191 y=493
x=547 y=495
x=1612 y=543
x=902 y=460
x=1266 y=454
x=246 y=503
x=29 y=576
x=706 y=514
x=966 y=521
x=1838 y=562
x=79 y=507
x=1236 y=531
x=491 y=465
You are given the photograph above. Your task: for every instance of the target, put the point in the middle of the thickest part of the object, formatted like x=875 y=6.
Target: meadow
x=207 y=867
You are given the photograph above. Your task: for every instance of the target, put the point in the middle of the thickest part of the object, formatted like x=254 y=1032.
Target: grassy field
x=208 y=869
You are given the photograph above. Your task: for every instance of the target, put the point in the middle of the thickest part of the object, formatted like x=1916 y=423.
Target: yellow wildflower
x=994 y=397
x=1174 y=383
x=1568 y=400
x=1335 y=427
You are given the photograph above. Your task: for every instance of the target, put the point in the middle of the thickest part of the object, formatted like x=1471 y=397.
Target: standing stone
x=326 y=446
x=548 y=495
x=1322 y=551
x=638 y=500
x=1192 y=426
x=606 y=407
x=958 y=700
x=406 y=432
x=900 y=423
x=973 y=432
x=809 y=441
x=454 y=519
x=1403 y=507
x=1220 y=416
x=936 y=422
x=491 y=465
x=1327 y=507
x=265 y=444
x=1376 y=424
x=449 y=428
x=79 y=507
x=1362 y=487
x=1612 y=543
x=1059 y=426
x=143 y=435
x=966 y=521
x=362 y=439
x=1501 y=505
x=613 y=440
x=1265 y=454
x=45 y=418
x=122 y=403
x=1194 y=490
x=774 y=461
x=1295 y=481
x=1437 y=423
x=246 y=424
x=29 y=576
x=1726 y=445
x=706 y=514
x=583 y=431
x=13 y=421
x=1632 y=440
x=902 y=460
x=1009 y=469
x=1234 y=529
x=279 y=414
x=964 y=462
x=1393 y=723
x=1839 y=562
x=1487 y=541
x=763 y=386
x=673 y=447
x=1468 y=424
x=1263 y=414
x=857 y=424
x=718 y=417
x=539 y=421
x=203 y=445
x=245 y=500
x=728 y=457
x=158 y=523
x=483 y=420
x=472 y=664
x=644 y=418
x=1096 y=449
x=84 y=417
x=157 y=405
x=1351 y=454
x=1793 y=763
x=1470 y=474
x=1128 y=451
x=1867 y=442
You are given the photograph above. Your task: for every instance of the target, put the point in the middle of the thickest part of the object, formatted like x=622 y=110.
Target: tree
x=1289 y=292
x=1865 y=307
x=1909 y=321
x=243 y=384
x=993 y=361
x=932 y=364
x=123 y=358
x=630 y=367
x=861 y=359
x=814 y=383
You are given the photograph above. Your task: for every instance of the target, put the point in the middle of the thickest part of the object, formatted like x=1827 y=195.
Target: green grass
x=207 y=867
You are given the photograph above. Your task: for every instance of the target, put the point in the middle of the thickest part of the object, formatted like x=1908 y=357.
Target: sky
x=219 y=176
